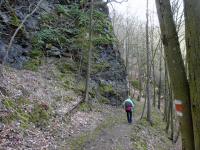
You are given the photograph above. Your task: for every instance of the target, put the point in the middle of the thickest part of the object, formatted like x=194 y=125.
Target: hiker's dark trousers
x=129 y=116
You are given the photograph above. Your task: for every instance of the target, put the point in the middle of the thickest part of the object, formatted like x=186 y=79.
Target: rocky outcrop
x=111 y=82
x=11 y=15
x=57 y=30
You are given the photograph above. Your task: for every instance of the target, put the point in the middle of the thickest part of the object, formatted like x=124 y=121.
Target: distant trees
x=132 y=39
x=182 y=69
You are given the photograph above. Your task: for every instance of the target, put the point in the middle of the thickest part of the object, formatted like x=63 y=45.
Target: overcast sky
x=135 y=8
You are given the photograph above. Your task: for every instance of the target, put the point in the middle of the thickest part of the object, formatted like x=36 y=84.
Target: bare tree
x=160 y=77
x=89 y=53
x=148 y=66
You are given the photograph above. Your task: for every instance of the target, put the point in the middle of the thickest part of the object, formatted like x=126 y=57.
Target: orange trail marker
x=179 y=107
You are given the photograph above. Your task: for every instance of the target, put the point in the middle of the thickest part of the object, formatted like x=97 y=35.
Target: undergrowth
x=25 y=112
x=66 y=28
x=144 y=134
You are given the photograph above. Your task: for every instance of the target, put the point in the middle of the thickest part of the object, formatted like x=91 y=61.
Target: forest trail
x=119 y=135
x=115 y=138
x=113 y=133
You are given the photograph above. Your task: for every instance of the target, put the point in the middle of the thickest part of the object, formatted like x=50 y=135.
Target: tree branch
x=17 y=30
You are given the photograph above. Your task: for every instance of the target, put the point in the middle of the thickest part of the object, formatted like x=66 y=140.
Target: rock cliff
x=59 y=29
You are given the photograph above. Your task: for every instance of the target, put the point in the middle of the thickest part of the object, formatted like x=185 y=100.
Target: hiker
x=129 y=106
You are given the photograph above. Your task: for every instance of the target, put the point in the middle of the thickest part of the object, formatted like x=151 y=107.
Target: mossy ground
x=146 y=136
x=25 y=112
x=33 y=64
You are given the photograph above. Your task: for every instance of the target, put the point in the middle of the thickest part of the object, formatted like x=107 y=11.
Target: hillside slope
x=44 y=77
x=60 y=29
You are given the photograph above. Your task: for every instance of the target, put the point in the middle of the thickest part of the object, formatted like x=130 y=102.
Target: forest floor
x=114 y=133
x=103 y=128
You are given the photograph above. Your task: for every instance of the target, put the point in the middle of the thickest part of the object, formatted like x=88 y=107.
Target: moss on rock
x=33 y=64
x=106 y=88
x=100 y=67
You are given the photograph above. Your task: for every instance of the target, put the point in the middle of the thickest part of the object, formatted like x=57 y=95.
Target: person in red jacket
x=129 y=106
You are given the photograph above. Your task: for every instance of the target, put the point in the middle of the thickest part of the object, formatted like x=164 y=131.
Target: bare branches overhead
x=116 y=1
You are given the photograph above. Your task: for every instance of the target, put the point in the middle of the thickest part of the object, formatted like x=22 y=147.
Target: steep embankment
x=45 y=76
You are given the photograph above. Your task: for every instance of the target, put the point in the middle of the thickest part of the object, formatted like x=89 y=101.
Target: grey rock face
x=2 y=51
x=114 y=76
x=17 y=56
x=54 y=51
x=22 y=42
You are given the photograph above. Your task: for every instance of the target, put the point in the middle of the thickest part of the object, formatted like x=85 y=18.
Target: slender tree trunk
x=154 y=85
x=139 y=72
x=144 y=106
x=165 y=93
x=127 y=46
x=127 y=55
x=192 y=23
x=148 y=67
x=172 y=121
x=177 y=136
x=153 y=64
x=168 y=115
x=160 y=70
x=89 y=53
x=176 y=70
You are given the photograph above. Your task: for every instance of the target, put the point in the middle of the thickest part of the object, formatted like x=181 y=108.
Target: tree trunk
x=144 y=106
x=139 y=72
x=172 y=120
x=127 y=55
x=168 y=115
x=127 y=46
x=89 y=53
x=153 y=65
x=140 y=84
x=166 y=93
x=154 y=85
x=176 y=70
x=148 y=69
x=192 y=23
x=160 y=70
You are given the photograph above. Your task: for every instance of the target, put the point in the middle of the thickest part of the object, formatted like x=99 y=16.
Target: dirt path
x=117 y=135
x=114 y=138
x=112 y=133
